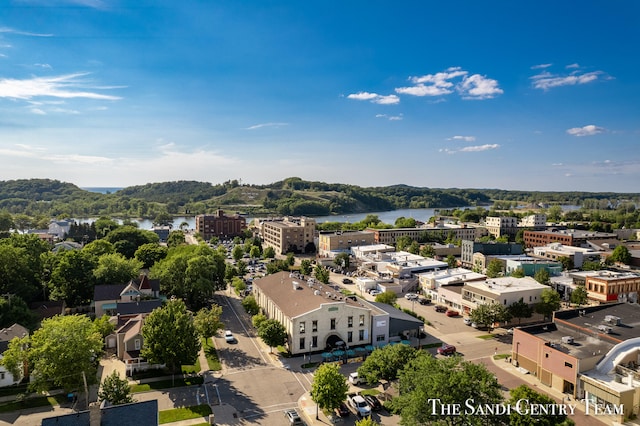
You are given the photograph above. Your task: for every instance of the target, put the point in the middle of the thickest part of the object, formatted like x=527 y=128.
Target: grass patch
x=211 y=354
x=148 y=374
x=166 y=384
x=310 y=365
x=190 y=369
x=432 y=345
x=501 y=356
x=347 y=292
x=283 y=351
x=40 y=401
x=14 y=390
x=487 y=336
x=184 y=413
x=372 y=391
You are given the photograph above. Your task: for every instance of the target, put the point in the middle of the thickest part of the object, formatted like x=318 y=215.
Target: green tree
x=518 y=273
x=452 y=262
x=104 y=225
x=403 y=242
x=115 y=390
x=342 y=260
x=116 y=269
x=386 y=363
x=579 y=296
x=621 y=254
x=176 y=238
x=103 y=326
x=237 y=252
x=405 y=222
x=451 y=380
x=427 y=250
x=522 y=418
x=16 y=357
x=14 y=310
x=250 y=305
x=542 y=276
x=258 y=319
x=322 y=274
x=16 y=274
x=567 y=262
x=549 y=302
x=61 y=350
x=494 y=268
x=207 y=321
x=589 y=265
x=520 y=310
x=272 y=333
x=150 y=253
x=254 y=252
x=127 y=239
x=163 y=219
x=305 y=267
x=291 y=259
x=329 y=387
x=366 y=421
x=72 y=278
x=269 y=252
x=490 y=313
x=99 y=248
x=170 y=336
x=389 y=297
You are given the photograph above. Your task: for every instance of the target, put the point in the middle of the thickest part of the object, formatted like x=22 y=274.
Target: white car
x=374 y=293
x=411 y=296
x=228 y=336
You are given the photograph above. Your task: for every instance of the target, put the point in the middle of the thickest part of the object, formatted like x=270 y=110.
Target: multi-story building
x=578 y=255
x=534 y=221
x=6 y=335
x=529 y=265
x=609 y=286
x=437 y=232
x=503 y=225
x=469 y=247
x=288 y=234
x=221 y=226
x=317 y=317
x=332 y=243
x=505 y=291
x=568 y=237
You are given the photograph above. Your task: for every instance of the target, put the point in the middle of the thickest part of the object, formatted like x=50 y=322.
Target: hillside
x=292 y=196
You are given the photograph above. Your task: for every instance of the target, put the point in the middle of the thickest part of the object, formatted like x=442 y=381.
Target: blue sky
x=540 y=95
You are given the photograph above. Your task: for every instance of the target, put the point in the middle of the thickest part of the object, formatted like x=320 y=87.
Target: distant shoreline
x=102 y=189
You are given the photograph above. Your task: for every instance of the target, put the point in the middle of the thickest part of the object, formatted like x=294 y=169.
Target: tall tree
x=490 y=313
x=621 y=254
x=115 y=390
x=13 y=310
x=389 y=297
x=272 y=333
x=116 y=269
x=170 y=336
x=523 y=418
x=176 y=238
x=329 y=387
x=72 y=278
x=342 y=260
x=207 y=321
x=305 y=267
x=520 y=310
x=579 y=296
x=385 y=363
x=61 y=350
x=542 y=276
x=322 y=274
x=494 y=268
x=549 y=302
x=127 y=239
x=150 y=253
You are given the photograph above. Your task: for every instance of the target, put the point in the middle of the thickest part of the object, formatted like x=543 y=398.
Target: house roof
x=396 y=314
x=6 y=334
x=134 y=414
x=305 y=297
x=107 y=292
x=138 y=307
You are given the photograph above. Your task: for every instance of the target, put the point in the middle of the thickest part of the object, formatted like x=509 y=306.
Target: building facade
x=221 y=226
x=289 y=234
x=505 y=291
x=332 y=243
x=469 y=247
x=568 y=237
x=502 y=225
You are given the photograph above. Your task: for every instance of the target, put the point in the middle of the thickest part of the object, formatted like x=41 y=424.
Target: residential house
x=127 y=343
x=107 y=296
x=6 y=334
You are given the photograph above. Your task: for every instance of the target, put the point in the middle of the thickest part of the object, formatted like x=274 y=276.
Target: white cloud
x=572 y=66
x=588 y=130
x=479 y=148
x=540 y=66
x=47 y=66
x=422 y=90
x=390 y=117
x=259 y=126
x=8 y=30
x=479 y=87
x=546 y=80
x=63 y=86
x=462 y=138
x=375 y=98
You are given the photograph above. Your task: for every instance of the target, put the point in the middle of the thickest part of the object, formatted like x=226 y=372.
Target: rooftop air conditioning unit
x=567 y=340
x=605 y=329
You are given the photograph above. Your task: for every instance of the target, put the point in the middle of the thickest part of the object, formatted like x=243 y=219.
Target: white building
x=536 y=221
x=577 y=254
x=504 y=290
x=6 y=334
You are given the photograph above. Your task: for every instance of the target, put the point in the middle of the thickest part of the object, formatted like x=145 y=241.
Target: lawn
x=211 y=354
x=195 y=368
x=372 y=391
x=487 y=337
x=165 y=384
x=40 y=401
x=184 y=413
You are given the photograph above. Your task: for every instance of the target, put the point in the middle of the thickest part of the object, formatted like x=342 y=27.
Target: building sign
x=333 y=308
x=381 y=323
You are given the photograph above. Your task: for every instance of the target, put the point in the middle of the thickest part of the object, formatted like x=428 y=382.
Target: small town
x=265 y=315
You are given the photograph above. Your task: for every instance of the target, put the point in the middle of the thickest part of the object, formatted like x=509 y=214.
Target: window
x=361 y=335
x=137 y=344
x=314 y=326
x=333 y=323
x=302 y=343
x=361 y=322
x=2 y=376
x=314 y=342
x=380 y=338
x=350 y=322
x=302 y=327
x=349 y=336
x=568 y=364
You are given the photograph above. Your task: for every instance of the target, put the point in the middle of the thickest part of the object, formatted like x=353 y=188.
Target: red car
x=452 y=313
x=447 y=350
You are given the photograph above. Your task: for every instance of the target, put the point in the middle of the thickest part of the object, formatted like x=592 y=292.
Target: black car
x=343 y=410
x=424 y=301
x=440 y=308
x=373 y=402
x=347 y=281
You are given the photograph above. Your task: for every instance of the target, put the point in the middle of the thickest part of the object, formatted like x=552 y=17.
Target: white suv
x=228 y=336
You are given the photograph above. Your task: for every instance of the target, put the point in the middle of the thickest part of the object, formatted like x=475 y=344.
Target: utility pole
x=86 y=388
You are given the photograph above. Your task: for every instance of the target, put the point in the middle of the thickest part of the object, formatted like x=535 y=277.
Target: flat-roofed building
x=469 y=247
x=221 y=226
x=504 y=290
x=502 y=225
x=288 y=234
x=578 y=255
x=534 y=221
x=436 y=232
x=569 y=237
x=332 y=243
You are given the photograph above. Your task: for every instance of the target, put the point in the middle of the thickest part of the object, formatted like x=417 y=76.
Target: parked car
x=452 y=313
x=228 y=336
x=342 y=410
x=411 y=296
x=373 y=402
x=293 y=417
x=375 y=292
x=354 y=379
x=440 y=308
x=475 y=325
x=447 y=350
x=467 y=321
x=347 y=281
x=424 y=301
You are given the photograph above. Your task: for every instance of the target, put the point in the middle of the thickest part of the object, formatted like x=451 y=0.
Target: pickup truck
x=354 y=379
x=358 y=403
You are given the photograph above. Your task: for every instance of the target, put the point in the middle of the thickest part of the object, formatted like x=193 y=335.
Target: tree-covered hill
x=291 y=196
